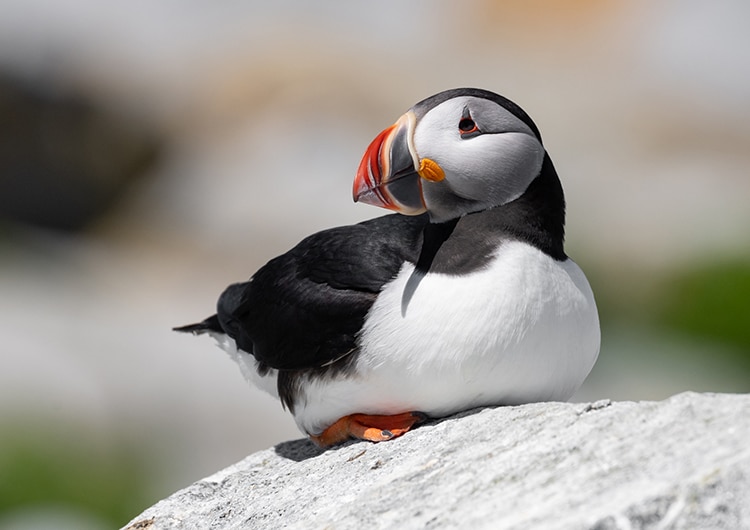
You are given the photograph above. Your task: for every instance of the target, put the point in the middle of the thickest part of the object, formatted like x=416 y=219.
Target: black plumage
x=304 y=308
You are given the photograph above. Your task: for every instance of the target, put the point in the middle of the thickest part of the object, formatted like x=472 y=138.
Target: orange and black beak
x=388 y=175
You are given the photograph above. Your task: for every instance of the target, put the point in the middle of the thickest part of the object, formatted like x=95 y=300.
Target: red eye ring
x=467 y=126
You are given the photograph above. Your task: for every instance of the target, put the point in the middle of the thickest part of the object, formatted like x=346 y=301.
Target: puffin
x=463 y=298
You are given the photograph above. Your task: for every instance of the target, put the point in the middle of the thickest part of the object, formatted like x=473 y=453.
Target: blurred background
x=154 y=151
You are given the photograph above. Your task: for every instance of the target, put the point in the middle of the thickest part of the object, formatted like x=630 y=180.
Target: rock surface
x=680 y=463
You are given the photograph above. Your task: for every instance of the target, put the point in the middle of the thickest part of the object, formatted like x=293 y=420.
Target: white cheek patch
x=497 y=167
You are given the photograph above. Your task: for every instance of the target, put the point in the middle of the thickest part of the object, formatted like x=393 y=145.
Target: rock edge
x=679 y=463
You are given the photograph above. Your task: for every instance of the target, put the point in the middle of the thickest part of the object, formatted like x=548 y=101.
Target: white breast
x=524 y=329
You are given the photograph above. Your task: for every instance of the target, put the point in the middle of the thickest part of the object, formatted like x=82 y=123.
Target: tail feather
x=210 y=324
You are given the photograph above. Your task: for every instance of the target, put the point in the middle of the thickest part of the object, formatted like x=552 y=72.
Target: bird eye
x=467 y=128
x=467 y=125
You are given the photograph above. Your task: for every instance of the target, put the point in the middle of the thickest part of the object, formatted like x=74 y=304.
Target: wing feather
x=305 y=308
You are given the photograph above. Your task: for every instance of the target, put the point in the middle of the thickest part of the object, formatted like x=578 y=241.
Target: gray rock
x=679 y=463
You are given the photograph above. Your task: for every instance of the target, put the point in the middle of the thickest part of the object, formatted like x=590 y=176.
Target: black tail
x=210 y=324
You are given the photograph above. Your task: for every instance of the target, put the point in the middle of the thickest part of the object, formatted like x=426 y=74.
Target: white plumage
x=523 y=329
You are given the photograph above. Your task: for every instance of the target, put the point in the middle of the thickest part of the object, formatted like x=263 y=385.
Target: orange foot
x=368 y=427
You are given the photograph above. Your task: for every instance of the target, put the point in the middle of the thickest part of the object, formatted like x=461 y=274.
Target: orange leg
x=373 y=428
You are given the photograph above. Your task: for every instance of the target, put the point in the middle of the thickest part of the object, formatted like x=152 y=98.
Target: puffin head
x=457 y=152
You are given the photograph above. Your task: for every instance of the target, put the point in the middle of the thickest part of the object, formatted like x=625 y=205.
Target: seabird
x=463 y=298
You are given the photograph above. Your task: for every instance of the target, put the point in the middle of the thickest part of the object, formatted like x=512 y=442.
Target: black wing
x=305 y=308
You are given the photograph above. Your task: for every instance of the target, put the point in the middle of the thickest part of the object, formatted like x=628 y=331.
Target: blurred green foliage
x=42 y=466
x=711 y=302
x=696 y=315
